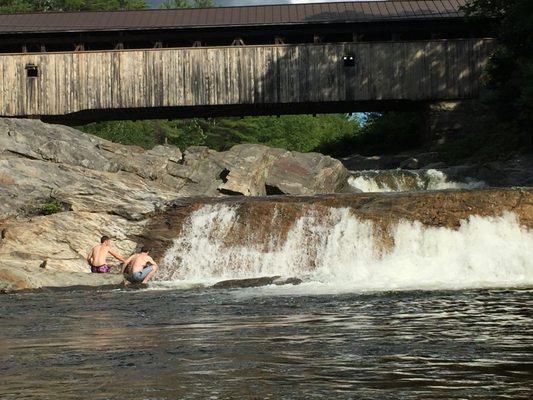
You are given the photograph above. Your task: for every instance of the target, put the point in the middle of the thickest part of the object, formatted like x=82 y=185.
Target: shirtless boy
x=97 y=257
x=140 y=268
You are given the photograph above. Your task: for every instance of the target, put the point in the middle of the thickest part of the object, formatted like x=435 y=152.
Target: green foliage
x=14 y=6
x=69 y=5
x=139 y=133
x=381 y=134
x=187 y=4
x=51 y=207
x=294 y=132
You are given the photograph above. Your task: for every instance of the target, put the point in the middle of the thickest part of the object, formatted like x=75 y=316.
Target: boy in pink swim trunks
x=97 y=257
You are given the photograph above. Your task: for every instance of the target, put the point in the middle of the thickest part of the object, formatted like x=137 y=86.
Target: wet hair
x=104 y=239
x=145 y=249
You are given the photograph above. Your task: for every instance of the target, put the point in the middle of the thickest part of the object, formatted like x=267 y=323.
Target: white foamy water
x=339 y=252
x=403 y=181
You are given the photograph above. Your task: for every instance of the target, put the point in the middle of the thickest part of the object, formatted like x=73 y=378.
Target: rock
x=350 y=189
x=287 y=281
x=245 y=283
x=250 y=170
x=145 y=165
x=357 y=162
x=34 y=182
x=256 y=282
x=307 y=174
x=245 y=169
x=20 y=276
x=436 y=165
x=66 y=146
x=171 y=153
x=257 y=170
x=36 y=140
x=407 y=160
x=410 y=163
x=515 y=172
x=200 y=172
x=426 y=159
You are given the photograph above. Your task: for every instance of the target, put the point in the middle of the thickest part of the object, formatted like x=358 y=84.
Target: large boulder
x=257 y=170
x=200 y=170
x=58 y=144
x=29 y=184
x=306 y=174
x=246 y=167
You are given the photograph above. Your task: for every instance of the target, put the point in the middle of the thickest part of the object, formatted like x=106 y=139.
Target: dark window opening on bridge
x=349 y=60
x=32 y=71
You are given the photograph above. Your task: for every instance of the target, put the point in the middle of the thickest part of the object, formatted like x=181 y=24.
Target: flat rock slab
x=19 y=277
x=256 y=282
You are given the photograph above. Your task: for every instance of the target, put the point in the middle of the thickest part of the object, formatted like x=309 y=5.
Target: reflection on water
x=216 y=344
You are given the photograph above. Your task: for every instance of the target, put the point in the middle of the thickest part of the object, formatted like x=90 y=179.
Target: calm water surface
x=229 y=345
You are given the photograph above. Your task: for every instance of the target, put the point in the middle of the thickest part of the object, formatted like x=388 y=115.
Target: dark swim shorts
x=104 y=269
x=138 y=277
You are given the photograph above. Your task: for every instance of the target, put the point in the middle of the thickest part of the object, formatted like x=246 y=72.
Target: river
x=258 y=344
x=403 y=296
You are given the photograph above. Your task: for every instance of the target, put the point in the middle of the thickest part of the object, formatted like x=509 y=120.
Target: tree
x=15 y=6
x=187 y=4
x=510 y=72
x=10 y=6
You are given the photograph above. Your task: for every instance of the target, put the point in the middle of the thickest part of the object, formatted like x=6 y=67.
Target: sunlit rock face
x=38 y=161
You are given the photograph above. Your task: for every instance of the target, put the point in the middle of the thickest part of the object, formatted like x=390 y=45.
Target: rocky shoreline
x=91 y=187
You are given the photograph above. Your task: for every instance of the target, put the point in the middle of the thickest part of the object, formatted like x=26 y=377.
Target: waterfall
x=334 y=247
x=404 y=181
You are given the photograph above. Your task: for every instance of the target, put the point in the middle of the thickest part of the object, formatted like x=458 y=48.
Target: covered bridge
x=275 y=59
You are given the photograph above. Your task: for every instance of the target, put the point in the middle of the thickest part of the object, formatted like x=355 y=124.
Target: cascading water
x=404 y=181
x=337 y=250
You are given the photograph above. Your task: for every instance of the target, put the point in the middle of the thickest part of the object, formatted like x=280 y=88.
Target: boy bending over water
x=140 y=268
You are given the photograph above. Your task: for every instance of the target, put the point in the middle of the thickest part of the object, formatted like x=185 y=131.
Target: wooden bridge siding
x=71 y=82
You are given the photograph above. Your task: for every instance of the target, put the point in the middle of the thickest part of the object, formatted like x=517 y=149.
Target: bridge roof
x=290 y=14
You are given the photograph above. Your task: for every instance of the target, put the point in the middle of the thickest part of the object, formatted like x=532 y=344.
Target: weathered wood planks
x=72 y=82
